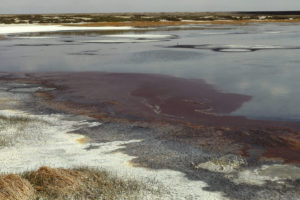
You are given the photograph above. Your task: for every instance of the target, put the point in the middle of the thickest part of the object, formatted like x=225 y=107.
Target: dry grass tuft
x=81 y=183
x=59 y=183
x=13 y=187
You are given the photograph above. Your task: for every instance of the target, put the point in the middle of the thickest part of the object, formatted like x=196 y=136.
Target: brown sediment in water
x=143 y=96
x=199 y=109
x=289 y=150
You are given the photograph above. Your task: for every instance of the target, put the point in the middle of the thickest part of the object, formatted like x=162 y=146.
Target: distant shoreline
x=178 y=23
x=153 y=19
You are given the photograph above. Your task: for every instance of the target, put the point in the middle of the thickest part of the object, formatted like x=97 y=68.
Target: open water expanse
x=258 y=60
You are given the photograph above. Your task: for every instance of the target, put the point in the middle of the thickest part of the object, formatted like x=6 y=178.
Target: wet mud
x=156 y=151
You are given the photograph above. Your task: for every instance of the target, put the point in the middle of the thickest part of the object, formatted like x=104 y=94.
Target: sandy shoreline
x=33 y=28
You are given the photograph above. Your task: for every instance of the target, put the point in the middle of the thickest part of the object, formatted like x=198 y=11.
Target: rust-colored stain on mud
x=288 y=150
x=83 y=140
x=143 y=96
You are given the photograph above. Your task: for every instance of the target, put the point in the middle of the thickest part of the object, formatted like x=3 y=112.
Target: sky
x=102 y=6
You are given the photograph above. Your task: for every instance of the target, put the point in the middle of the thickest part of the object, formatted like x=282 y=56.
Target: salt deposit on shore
x=32 y=28
x=46 y=141
x=29 y=141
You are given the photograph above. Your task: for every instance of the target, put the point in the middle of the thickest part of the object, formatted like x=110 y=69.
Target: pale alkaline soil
x=32 y=136
x=24 y=28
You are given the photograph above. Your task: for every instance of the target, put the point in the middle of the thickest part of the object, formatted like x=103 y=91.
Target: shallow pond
x=259 y=60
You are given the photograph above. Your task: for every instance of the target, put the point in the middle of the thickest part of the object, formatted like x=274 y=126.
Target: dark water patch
x=236 y=48
x=68 y=41
x=41 y=45
x=233 y=50
x=124 y=40
x=154 y=96
x=163 y=55
x=85 y=53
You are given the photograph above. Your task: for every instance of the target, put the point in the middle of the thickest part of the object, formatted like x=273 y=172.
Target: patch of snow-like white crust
x=32 y=28
x=29 y=141
x=34 y=37
x=51 y=140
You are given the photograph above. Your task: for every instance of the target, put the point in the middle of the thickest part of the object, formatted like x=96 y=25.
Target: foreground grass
x=14 y=187
x=60 y=184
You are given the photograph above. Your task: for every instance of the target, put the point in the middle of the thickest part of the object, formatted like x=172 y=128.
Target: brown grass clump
x=81 y=183
x=59 y=183
x=13 y=187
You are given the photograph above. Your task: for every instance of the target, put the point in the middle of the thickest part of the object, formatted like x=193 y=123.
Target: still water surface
x=260 y=60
